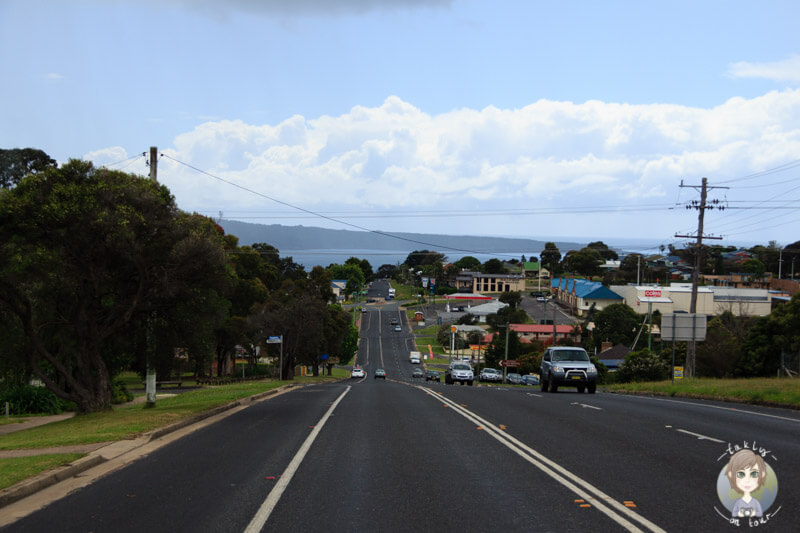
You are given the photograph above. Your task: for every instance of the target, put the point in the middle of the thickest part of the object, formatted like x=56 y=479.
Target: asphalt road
x=403 y=455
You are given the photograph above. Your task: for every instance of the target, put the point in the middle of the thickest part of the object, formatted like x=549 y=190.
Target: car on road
x=433 y=375
x=358 y=372
x=567 y=366
x=417 y=373
x=398 y=328
x=514 y=378
x=380 y=373
x=393 y=321
x=529 y=379
x=459 y=372
x=491 y=374
x=363 y=309
x=541 y=299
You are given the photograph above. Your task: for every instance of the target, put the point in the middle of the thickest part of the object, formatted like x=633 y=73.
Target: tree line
x=100 y=272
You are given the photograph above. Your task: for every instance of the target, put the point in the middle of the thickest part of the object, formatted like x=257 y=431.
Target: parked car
x=529 y=379
x=417 y=373
x=541 y=299
x=514 y=378
x=358 y=372
x=491 y=374
x=567 y=366
x=433 y=375
x=459 y=372
x=380 y=373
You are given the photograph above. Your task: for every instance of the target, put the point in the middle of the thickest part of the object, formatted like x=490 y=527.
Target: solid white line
x=582 y=488
x=262 y=515
x=700 y=437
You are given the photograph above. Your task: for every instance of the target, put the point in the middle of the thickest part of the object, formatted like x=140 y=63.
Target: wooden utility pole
x=154 y=163
x=698 y=261
x=150 y=380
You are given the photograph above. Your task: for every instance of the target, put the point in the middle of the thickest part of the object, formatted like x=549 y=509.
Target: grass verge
x=761 y=391
x=131 y=420
x=15 y=470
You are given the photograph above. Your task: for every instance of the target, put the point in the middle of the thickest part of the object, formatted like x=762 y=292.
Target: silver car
x=567 y=366
x=490 y=374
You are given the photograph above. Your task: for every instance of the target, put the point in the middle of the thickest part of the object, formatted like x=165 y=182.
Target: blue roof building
x=581 y=294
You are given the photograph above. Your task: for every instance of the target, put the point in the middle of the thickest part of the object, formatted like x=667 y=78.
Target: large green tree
x=617 y=324
x=17 y=163
x=550 y=258
x=88 y=257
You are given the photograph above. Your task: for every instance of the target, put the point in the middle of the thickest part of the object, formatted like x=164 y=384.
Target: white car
x=358 y=372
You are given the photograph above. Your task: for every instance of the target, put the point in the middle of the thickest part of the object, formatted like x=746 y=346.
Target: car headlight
x=591 y=370
x=557 y=368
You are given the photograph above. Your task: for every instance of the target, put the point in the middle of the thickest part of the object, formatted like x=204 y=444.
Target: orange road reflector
x=585 y=505
x=629 y=504
x=501 y=426
x=479 y=427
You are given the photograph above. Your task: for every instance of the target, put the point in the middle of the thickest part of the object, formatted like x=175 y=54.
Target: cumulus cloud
x=395 y=157
x=786 y=70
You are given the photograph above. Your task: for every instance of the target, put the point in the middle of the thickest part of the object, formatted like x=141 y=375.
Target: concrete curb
x=30 y=486
x=25 y=488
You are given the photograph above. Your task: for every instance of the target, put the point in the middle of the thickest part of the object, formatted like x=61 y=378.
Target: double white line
x=615 y=510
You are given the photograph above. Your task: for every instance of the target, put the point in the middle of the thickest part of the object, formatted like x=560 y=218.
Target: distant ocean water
x=376 y=258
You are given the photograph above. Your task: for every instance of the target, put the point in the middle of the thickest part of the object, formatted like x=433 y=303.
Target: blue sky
x=526 y=118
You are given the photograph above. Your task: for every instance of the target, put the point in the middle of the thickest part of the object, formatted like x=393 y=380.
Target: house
x=613 y=356
x=541 y=332
x=581 y=294
x=480 y=282
x=338 y=287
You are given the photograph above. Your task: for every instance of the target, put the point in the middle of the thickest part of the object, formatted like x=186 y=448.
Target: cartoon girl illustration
x=746 y=472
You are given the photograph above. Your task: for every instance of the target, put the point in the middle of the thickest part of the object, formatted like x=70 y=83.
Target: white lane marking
x=700 y=437
x=586 y=405
x=536 y=395
x=580 y=487
x=262 y=515
x=718 y=407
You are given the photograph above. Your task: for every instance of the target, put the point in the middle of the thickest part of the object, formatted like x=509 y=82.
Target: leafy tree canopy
x=87 y=257
x=494 y=266
x=17 y=163
x=419 y=258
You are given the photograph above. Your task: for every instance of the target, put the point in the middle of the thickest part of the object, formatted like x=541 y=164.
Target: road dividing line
x=613 y=509
x=586 y=405
x=699 y=436
x=262 y=515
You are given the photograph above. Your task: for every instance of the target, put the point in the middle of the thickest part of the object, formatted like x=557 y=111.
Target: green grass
x=18 y=468
x=764 y=391
x=130 y=421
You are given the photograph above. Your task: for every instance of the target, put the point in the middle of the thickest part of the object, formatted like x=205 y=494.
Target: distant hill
x=310 y=238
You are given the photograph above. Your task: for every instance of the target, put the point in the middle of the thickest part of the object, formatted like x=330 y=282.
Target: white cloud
x=395 y=157
x=53 y=76
x=787 y=70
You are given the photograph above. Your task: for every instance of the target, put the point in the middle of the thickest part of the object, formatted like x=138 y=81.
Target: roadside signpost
x=277 y=339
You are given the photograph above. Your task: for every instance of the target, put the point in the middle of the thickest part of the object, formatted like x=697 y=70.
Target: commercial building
x=482 y=283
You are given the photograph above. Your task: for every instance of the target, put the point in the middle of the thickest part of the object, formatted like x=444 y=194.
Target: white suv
x=459 y=371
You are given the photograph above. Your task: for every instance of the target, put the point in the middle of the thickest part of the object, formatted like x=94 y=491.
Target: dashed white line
x=262 y=515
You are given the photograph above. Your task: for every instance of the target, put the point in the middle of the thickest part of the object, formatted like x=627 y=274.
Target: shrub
x=27 y=399
x=120 y=393
x=642 y=366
